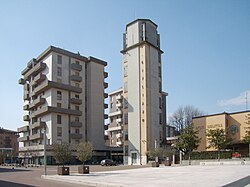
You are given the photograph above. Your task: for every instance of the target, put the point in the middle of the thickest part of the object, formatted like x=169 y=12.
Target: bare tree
x=183 y=116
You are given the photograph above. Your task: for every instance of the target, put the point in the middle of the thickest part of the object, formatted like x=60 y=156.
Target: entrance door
x=134 y=158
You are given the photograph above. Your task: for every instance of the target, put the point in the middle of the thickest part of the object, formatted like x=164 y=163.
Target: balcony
x=49 y=84
x=32 y=148
x=50 y=109
x=26 y=118
x=105 y=85
x=38 y=125
x=119 y=105
x=116 y=128
x=119 y=120
x=106 y=105
x=38 y=79
x=105 y=75
x=76 y=136
x=75 y=124
x=119 y=97
x=26 y=87
x=76 y=78
x=77 y=67
x=106 y=95
x=119 y=112
x=26 y=107
x=36 y=136
x=106 y=116
x=23 y=139
x=37 y=102
x=29 y=66
x=23 y=129
x=21 y=81
x=119 y=135
x=26 y=96
x=35 y=70
x=106 y=127
x=119 y=143
x=76 y=101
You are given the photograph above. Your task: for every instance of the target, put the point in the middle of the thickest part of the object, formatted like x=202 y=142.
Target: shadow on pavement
x=4 y=170
x=12 y=184
x=239 y=183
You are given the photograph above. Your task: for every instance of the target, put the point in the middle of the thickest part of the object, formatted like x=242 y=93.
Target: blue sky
x=206 y=46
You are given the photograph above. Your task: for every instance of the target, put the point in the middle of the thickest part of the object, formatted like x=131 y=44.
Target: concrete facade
x=64 y=94
x=234 y=124
x=142 y=90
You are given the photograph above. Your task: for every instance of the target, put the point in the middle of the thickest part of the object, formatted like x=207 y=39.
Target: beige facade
x=234 y=125
x=8 y=142
x=64 y=94
x=142 y=90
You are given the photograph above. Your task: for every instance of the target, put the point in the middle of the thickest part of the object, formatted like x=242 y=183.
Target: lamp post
x=44 y=152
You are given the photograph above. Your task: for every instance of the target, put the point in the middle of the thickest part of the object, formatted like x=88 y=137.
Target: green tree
x=217 y=139
x=188 y=141
x=84 y=151
x=61 y=152
x=246 y=138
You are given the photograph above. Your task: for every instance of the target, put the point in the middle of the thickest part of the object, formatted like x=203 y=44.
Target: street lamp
x=44 y=151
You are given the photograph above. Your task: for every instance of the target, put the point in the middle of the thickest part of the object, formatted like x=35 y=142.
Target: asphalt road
x=31 y=176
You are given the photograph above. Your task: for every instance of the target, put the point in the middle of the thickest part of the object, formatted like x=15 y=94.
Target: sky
x=206 y=44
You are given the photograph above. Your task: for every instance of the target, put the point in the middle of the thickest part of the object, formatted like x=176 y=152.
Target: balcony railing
x=38 y=79
x=76 y=136
x=37 y=102
x=23 y=139
x=26 y=107
x=75 y=124
x=21 y=81
x=76 y=78
x=76 y=101
x=119 y=120
x=119 y=112
x=38 y=125
x=35 y=70
x=119 y=104
x=26 y=118
x=50 y=109
x=75 y=66
x=36 y=136
x=119 y=135
x=26 y=96
x=119 y=97
x=119 y=143
x=23 y=129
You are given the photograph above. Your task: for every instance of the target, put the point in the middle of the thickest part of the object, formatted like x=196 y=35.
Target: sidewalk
x=164 y=176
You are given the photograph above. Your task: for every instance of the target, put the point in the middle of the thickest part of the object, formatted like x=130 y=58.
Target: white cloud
x=236 y=101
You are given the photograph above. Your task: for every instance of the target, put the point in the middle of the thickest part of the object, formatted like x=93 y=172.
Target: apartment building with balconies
x=115 y=127
x=63 y=98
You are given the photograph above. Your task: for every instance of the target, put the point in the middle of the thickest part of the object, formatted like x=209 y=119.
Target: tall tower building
x=142 y=89
x=63 y=98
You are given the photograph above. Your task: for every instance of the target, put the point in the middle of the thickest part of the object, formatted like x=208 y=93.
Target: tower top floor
x=140 y=31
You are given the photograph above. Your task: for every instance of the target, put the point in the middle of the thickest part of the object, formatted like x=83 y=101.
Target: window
x=160 y=103
x=59 y=119
x=77 y=96
x=59 y=95
x=125 y=70
x=77 y=62
x=77 y=131
x=159 y=57
x=125 y=86
x=77 y=85
x=76 y=119
x=77 y=73
x=59 y=80
x=59 y=59
x=111 y=105
x=59 y=131
x=160 y=87
x=159 y=71
x=160 y=118
x=59 y=71
x=77 y=107
x=126 y=118
x=59 y=105
x=125 y=102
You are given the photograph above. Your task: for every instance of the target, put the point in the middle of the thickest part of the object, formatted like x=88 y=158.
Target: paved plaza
x=178 y=176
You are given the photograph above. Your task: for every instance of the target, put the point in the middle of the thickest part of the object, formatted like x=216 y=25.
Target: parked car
x=108 y=162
